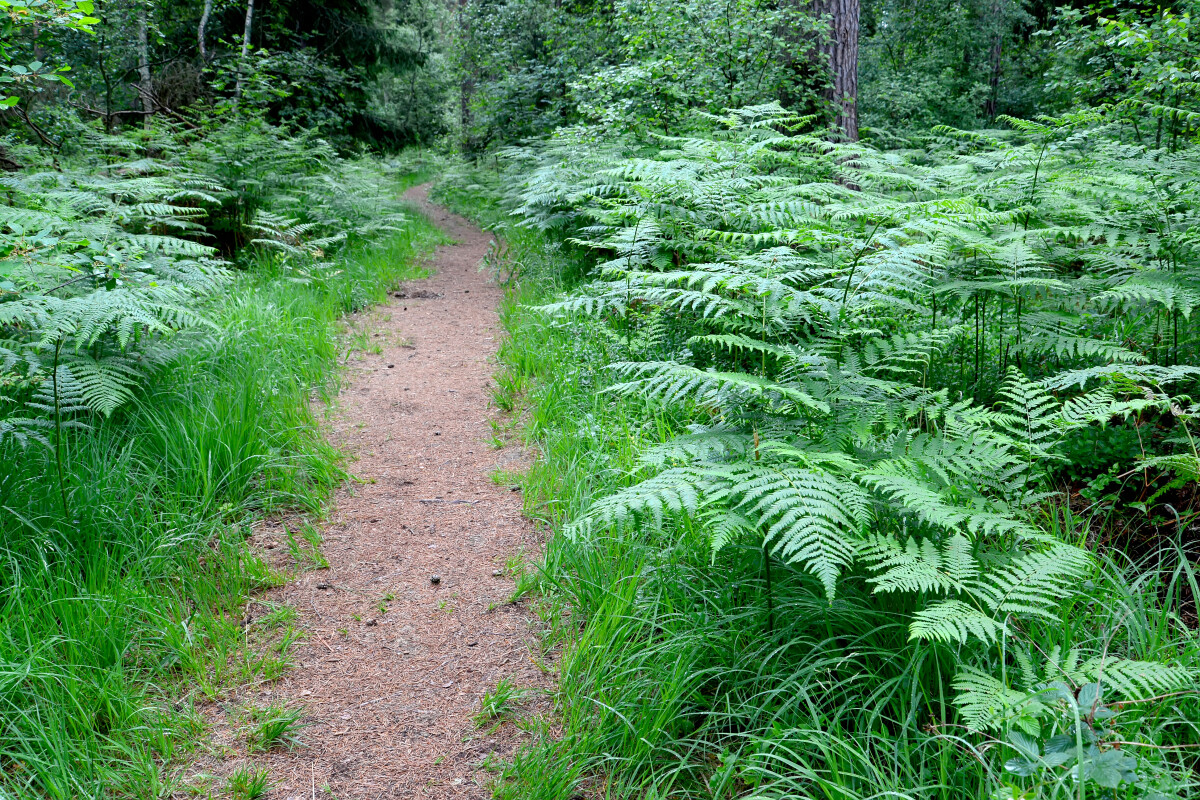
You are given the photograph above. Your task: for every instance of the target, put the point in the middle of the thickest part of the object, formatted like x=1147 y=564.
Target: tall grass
x=114 y=618
x=688 y=675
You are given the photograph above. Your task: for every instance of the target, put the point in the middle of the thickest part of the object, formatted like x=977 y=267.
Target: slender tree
x=469 y=70
x=208 y=5
x=999 y=21
x=241 y=73
x=145 y=81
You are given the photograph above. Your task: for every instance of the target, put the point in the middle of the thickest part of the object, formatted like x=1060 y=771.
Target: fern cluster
x=104 y=265
x=882 y=353
x=97 y=277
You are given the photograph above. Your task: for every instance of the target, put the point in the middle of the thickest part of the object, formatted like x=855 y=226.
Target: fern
x=1134 y=680
x=103 y=266
x=1065 y=683
x=883 y=379
x=986 y=703
x=806 y=516
x=920 y=565
x=954 y=621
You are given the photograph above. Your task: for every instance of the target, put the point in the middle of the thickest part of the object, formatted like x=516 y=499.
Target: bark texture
x=841 y=50
x=6 y=162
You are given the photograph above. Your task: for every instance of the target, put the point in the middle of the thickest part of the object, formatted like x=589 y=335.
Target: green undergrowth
x=688 y=674
x=117 y=615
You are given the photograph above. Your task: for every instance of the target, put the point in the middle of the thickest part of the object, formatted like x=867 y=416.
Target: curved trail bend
x=390 y=696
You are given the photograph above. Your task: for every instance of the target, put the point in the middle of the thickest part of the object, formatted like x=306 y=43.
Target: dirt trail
x=390 y=696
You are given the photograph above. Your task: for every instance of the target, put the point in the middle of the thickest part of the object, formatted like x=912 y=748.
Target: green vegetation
x=273 y=727
x=499 y=703
x=169 y=306
x=806 y=413
x=154 y=402
x=249 y=783
x=857 y=340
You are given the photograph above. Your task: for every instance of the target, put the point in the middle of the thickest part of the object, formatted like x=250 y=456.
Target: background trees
x=893 y=66
x=359 y=70
x=388 y=73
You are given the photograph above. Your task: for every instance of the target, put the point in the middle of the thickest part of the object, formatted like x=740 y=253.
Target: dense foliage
x=882 y=370
x=357 y=71
x=529 y=67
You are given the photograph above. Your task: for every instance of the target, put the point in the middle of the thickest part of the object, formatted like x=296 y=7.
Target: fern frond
x=908 y=493
x=807 y=517
x=920 y=566
x=985 y=703
x=1135 y=680
x=677 y=490
x=953 y=621
x=1032 y=584
x=670 y=382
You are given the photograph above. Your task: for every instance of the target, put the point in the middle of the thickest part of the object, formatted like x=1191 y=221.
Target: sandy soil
x=390 y=696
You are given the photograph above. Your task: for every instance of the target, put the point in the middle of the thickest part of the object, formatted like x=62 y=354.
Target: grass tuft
x=273 y=727
x=249 y=783
x=500 y=702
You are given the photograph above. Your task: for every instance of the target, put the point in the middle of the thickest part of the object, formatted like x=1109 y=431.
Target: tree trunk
x=106 y=76
x=208 y=4
x=997 y=60
x=145 y=81
x=466 y=89
x=465 y=92
x=994 y=96
x=841 y=50
x=241 y=75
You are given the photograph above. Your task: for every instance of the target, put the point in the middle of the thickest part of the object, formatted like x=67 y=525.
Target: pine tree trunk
x=241 y=76
x=465 y=93
x=208 y=4
x=994 y=96
x=145 y=81
x=841 y=50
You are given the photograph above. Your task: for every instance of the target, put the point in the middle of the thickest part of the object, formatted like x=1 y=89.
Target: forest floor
x=394 y=665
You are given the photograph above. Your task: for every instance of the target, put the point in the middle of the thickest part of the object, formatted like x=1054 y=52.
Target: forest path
x=389 y=696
